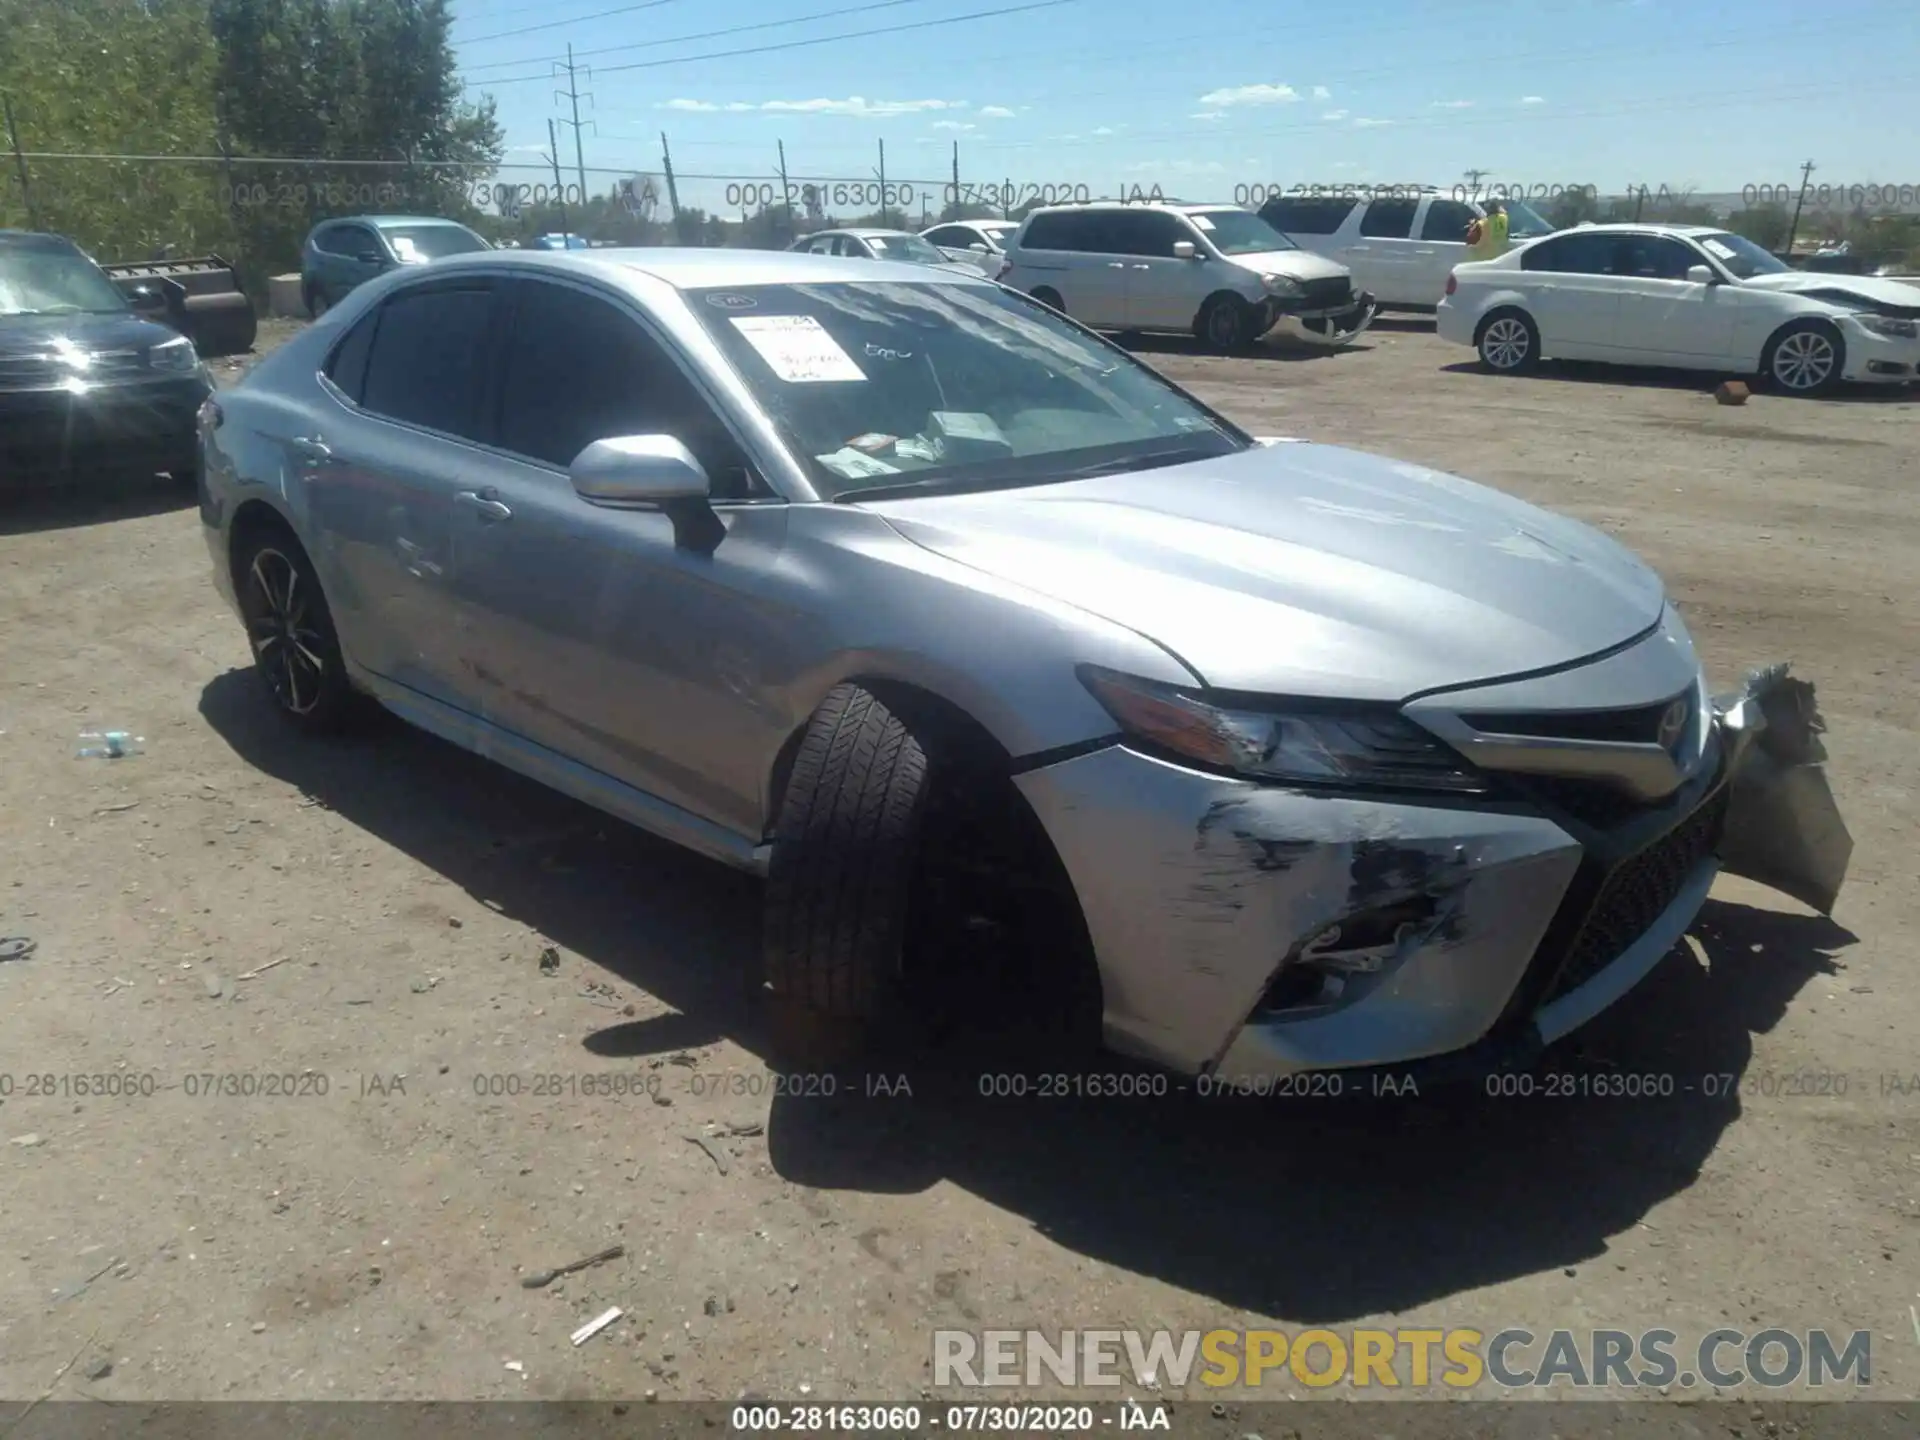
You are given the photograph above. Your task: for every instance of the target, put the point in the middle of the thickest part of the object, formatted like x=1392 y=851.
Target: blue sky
x=1203 y=98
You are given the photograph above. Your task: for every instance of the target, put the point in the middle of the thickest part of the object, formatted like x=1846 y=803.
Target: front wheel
x=1805 y=358
x=1050 y=298
x=1226 y=325
x=1508 y=342
x=296 y=653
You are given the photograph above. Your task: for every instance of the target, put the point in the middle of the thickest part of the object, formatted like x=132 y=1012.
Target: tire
x=317 y=304
x=1225 y=325
x=845 y=847
x=1805 y=358
x=1508 y=342
x=1050 y=298
x=296 y=653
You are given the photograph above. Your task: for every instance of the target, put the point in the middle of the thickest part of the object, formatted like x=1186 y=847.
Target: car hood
x=1301 y=569
x=1294 y=264
x=1874 y=291
x=33 y=335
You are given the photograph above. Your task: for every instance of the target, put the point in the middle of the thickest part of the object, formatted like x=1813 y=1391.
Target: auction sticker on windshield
x=797 y=348
x=1718 y=250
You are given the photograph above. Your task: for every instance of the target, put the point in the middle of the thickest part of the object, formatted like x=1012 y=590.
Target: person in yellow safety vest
x=1487 y=238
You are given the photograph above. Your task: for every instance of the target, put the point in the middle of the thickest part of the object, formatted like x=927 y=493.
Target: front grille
x=1637 y=726
x=1327 y=294
x=35 y=372
x=1597 y=803
x=1637 y=893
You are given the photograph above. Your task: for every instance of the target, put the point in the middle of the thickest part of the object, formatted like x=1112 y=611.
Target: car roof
x=1646 y=227
x=1176 y=207
x=691 y=269
x=382 y=222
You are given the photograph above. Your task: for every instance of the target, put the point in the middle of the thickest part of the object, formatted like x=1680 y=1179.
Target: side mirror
x=650 y=472
x=982 y=249
x=1702 y=275
x=146 y=300
x=1184 y=250
x=371 y=257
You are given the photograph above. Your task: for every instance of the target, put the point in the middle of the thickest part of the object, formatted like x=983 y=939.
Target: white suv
x=1401 y=247
x=1215 y=271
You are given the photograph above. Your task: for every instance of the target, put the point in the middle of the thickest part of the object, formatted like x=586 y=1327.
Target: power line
x=802 y=44
x=712 y=34
x=556 y=24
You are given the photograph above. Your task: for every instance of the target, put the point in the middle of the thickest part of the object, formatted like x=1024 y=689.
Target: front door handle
x=485 y=506
x=1143 y=267
x=312 y=449
x=1116 y=265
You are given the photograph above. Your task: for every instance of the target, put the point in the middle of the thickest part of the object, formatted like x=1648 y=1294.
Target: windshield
x=1524 y=222
x=906 y=247
x=997 y=233
x=414 y=243
x=1741 y=256
x=41 y=276
x=883 y=386
x=1239 y=232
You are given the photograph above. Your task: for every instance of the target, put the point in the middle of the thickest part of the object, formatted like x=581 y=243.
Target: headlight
x=1279 y=285
x=176 y=355
x=1310 y=743
x=1887 y=325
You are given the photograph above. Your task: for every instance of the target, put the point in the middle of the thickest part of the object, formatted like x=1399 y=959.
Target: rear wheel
x=1805 y=358
x=1050 y=298
x=1508 y=342
x=296 y=653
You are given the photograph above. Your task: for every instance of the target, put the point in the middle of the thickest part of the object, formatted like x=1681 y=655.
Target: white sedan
x=1688 y=296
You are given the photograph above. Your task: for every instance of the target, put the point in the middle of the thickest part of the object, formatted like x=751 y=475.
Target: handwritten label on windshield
x=1718 y=250
x=797 y=348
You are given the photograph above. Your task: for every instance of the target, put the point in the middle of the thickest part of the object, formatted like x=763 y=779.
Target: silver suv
x=1215 y=271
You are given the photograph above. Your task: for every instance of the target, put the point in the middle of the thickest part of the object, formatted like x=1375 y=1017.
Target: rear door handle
x=1116 y=265
x=486 y=506
x=1143 y=267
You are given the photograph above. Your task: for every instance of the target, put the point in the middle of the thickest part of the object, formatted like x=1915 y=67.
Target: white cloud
x=995 y=112
x=1453 y=104
x=1250 y=95
x=1533 y=99
x=1334 y=115
x=1320 y=92
x=1104 y=130
x=952 y=125
x=854 y=105
x=1208 y=115
x=1364 y=123
x=526 y=149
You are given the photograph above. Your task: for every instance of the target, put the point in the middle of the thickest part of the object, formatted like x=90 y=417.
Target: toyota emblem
x=1673 y=723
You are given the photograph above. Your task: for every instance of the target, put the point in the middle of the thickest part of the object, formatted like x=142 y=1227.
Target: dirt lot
x=369 y=919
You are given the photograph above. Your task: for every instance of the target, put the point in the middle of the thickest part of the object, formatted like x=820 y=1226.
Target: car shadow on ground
x=1702 y=382
x=1318 y=1209
x=31 y=511
x=1278 y=348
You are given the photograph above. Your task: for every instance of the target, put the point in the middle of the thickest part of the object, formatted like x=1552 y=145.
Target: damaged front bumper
x=1330 y=328
x=1247 y=931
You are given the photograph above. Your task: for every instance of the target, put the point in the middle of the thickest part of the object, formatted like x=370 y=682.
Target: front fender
x=1784 y=829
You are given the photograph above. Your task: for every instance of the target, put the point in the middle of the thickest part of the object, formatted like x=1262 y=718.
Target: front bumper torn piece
x=1784 y=829
x=1203 y=893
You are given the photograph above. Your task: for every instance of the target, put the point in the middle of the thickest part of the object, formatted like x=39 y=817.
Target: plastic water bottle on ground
x=109 y=745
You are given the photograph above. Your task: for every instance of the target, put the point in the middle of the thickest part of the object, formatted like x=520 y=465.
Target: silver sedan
x=1035 y=688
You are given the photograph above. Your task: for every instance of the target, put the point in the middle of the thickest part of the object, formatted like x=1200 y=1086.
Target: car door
x=379 y=474
x=1094 y=277
x=1378 y=247
x=1442 y=228
x=1667 y=318
x=362 y=256
x=1164 y=292
x=1572 y=288
x=595 y=640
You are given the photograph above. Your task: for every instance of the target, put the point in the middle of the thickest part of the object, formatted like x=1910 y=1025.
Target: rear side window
x=1306 y=214
x=347 y=366
x=1083 y=230
x=1447 y=220
x=428 y=363
x=1389 y=219
x=1145 y=232
x=1574 y=254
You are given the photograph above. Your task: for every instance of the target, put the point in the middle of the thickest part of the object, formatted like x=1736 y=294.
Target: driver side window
x=580 y=369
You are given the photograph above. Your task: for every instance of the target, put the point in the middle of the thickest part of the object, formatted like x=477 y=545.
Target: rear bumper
x=60 y=436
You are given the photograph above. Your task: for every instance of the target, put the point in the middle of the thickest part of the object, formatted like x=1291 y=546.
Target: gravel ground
x=414 y=939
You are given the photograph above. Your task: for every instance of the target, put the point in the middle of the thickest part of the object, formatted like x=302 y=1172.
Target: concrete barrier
x=284 y=301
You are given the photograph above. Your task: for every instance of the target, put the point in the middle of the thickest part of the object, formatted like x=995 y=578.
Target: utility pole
x=673 y=193
x=20 y=162
x=1473 y=181
x=952 y=211
x=1806 y=174
x=883 y=182
x=786 y=192
x=572 y=96
x=553 y=157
